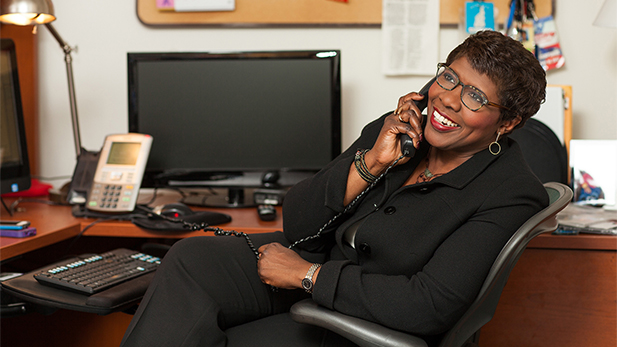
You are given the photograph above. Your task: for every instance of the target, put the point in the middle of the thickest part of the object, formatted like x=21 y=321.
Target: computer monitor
x=223 y=119
x=14 y=165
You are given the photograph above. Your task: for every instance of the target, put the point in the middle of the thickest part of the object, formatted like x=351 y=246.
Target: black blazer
x=422 y=251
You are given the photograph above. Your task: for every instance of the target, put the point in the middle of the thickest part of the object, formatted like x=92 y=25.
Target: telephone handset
x=407 y=148
x=119 y=173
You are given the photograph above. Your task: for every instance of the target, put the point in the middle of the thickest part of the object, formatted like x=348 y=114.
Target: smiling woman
x=517 y=75
x=400 y=248
x=463 y=121
x=455 y=129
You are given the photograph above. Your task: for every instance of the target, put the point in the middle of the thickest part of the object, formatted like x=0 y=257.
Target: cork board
x=362 y=13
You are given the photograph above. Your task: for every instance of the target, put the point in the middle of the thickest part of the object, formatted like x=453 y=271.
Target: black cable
x=221 y=232
x=6 y=207
x=349 y=206
x=40 y=201
x=154 y=193
x=78 y=236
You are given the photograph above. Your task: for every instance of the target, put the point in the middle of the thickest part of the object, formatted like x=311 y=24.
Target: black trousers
x=207 y=292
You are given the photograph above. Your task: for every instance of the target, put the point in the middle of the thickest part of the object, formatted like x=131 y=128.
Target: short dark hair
x=519 y=77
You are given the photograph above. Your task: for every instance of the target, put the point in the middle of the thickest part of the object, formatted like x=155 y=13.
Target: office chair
x=543 y=151
x=365 y=333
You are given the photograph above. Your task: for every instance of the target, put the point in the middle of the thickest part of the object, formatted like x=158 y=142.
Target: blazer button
x=424 y=190
x=389 y=210
x=365 y=248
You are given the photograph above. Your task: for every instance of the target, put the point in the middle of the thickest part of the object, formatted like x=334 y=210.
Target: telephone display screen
x=123 y=153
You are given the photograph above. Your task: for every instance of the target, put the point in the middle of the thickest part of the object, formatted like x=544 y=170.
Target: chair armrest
x=359 y=331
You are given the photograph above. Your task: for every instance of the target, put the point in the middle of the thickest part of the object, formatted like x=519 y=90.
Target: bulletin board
x=329 y=13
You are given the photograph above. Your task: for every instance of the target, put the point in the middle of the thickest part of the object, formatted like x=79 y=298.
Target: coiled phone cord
x=349 y=206
x=202 y=226
x=221 y=232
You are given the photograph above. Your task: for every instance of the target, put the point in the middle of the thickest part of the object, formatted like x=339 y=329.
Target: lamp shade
x=26 y=12
x=608 y=15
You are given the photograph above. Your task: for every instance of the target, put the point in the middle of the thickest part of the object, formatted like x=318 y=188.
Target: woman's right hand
x=387 y=147
x=407 y=118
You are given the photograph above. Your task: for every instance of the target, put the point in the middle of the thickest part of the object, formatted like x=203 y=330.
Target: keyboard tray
x=119 y=297
x=89 y=274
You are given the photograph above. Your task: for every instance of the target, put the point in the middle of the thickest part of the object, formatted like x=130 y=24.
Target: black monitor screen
x=249 y=111
x=14 y=166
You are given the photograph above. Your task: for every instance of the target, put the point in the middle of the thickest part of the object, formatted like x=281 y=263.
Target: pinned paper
x=548 y=47
x=528 y=36
x=479 y=16
x=204 y=5
x=165 y=5
x=410 y=31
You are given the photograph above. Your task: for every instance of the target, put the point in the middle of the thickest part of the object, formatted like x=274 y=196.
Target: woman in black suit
x=410 y=253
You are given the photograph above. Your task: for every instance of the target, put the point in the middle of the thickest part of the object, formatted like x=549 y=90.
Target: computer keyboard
x=89 y=274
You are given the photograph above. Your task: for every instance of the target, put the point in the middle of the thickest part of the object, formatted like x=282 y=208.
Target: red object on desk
x=36 y=189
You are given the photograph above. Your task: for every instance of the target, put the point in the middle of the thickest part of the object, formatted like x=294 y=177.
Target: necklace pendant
x=428 y=174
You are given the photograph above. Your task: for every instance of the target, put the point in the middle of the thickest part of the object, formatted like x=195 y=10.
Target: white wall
x=104 y=31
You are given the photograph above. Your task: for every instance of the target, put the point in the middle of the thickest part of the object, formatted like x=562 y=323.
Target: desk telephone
x=119 y=172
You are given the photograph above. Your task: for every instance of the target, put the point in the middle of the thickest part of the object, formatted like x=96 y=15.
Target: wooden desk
x=56 y=223
x=53 y=224
x=242 y=220
x=562 y=292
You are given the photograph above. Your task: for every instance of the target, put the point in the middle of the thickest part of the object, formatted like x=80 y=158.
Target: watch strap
x=307 y=282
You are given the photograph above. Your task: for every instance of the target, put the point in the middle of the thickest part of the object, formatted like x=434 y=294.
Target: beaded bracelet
x=361 y=167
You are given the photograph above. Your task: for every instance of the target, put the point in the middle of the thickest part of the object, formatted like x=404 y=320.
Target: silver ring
x=400 y=119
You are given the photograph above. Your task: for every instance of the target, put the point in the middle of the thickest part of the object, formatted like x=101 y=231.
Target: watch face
x=307 y=284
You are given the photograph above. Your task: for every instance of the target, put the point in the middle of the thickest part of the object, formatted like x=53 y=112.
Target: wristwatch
x=307 y=281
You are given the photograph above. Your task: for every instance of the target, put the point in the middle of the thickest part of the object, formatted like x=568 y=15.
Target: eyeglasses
x=472 y=97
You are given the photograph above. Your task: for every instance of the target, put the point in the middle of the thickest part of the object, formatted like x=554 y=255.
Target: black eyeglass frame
x=486 y=101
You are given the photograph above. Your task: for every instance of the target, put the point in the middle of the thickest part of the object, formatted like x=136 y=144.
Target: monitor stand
x=240 y=189
x=236 y=197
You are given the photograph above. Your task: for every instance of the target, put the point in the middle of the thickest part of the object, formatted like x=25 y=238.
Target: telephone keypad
x=110 y=196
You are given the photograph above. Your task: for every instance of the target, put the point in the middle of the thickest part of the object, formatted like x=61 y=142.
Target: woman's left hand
x=281 y=267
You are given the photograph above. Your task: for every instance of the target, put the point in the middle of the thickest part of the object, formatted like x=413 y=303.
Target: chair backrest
x=543 y=151
x=483 y=308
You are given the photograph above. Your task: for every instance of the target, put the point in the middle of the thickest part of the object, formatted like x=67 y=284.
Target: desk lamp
x=33 y=12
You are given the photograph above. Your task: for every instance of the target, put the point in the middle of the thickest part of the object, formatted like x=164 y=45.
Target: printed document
x=410 y=34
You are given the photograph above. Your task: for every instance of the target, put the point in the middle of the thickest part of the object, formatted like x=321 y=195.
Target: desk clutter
x=179 y=220
x=171 y=217
x=576 y=219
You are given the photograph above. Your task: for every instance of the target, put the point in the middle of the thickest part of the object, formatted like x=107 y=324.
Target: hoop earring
x=490 y=146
